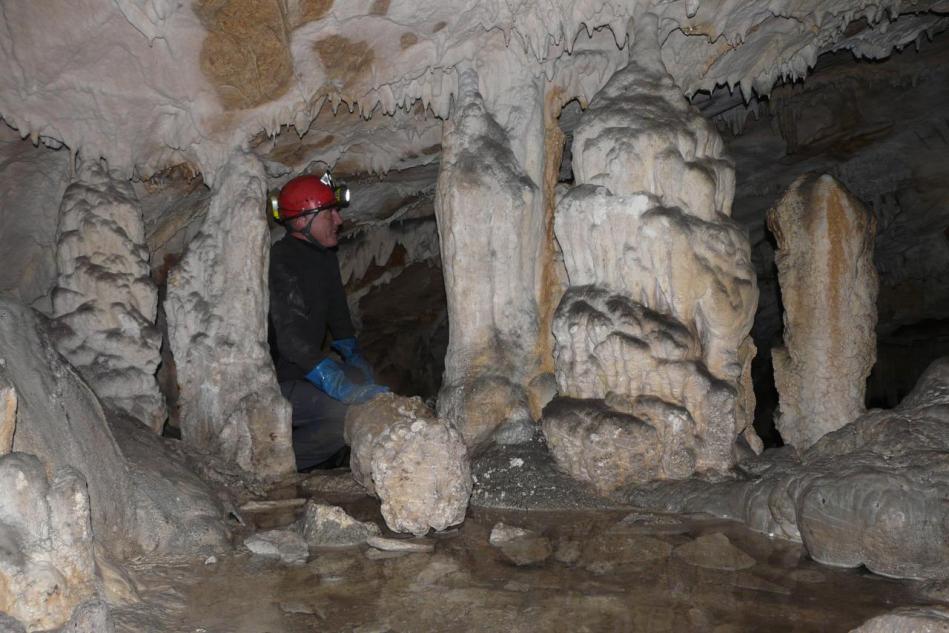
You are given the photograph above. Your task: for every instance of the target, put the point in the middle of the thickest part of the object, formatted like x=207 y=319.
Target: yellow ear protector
x=275 y=205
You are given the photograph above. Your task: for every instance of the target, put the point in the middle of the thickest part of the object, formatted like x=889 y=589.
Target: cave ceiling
x=362 y=85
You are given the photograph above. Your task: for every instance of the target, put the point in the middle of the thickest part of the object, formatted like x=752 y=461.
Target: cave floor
x=607 y=570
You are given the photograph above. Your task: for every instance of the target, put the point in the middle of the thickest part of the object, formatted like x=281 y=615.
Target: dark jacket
x=306 y=299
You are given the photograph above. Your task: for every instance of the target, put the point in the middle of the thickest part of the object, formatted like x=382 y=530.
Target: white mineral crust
x=217 y=324
x=104 y=302
x=662 y=292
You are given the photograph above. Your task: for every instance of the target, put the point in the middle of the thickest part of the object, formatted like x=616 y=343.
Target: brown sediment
x=438 y=27
x=344 y=60
x=549 y=291
x=246 y=54
x=312 y=10
x=379 y=7
x=839 y=229
x=408 y=40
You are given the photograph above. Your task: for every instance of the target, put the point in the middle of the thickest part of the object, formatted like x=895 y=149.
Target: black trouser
x=317 y=423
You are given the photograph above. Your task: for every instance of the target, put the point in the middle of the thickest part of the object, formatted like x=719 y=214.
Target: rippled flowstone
x=654 y=327
x=329 y=526
x=871 y=493
x=414 y=463
x=908 y=620
x=105 y=304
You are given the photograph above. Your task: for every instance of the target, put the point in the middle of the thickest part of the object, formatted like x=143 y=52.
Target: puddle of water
x=607 y=571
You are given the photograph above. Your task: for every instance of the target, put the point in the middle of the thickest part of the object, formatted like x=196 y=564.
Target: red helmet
x=308 y=194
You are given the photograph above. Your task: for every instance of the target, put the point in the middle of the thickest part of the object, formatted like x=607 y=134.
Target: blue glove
x=329 y=378
x=348 y=348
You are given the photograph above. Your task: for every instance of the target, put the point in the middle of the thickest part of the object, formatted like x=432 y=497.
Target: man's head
x=321 y=226
x=309 y=207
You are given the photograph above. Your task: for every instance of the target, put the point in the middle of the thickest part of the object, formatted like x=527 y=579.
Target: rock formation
x=908 y=620
x=868 y=494
x=142 y=498
x=217 y=325
x=34 y=179
x=47 y=568
x=491 y=228
x=415 y=464
x=104 y=302
x=60 y=420
x=662 y=293
x=828 y=289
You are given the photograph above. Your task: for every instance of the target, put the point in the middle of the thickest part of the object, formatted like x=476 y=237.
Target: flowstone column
x=829 y=288
x=104 y=302
x=217 y=325
x=652 y=336
x=491 y=223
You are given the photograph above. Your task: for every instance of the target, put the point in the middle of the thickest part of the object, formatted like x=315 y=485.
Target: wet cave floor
x=601 y=570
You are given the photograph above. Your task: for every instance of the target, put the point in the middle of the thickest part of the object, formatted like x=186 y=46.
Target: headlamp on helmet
x=340 y=192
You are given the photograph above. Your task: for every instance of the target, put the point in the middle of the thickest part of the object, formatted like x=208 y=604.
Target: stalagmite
x=217 y=324
x=828 y=288
x=662 y=293
x=104 y=302
x=416 y=464
x=489 y=206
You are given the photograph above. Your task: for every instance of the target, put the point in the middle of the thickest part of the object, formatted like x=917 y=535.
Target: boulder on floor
x=415 y=463
x=47 y=564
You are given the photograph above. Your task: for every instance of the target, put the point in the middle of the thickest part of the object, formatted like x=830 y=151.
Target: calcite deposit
x=539 y=187
x=47 y=568
x=868 y=494
x=491 y=229
x=829 y=288
x=141 y=497
x=104 y=302
x=217 y=326
x=415 y=464
x=662 y=293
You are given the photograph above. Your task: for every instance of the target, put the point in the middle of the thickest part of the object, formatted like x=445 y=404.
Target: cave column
x=829 y=288
x=652 y=334
x=493 y=234
x=104 y=302
x=217 y=307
